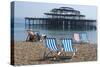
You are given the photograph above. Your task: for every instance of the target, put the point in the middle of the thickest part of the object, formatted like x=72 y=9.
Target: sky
x=35 y=9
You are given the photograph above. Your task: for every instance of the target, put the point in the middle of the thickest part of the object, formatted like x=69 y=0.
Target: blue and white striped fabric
x=83 y=37
x=51 y=44
x=67 y=45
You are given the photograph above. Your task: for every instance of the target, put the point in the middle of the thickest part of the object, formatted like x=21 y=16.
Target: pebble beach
x=29 y=53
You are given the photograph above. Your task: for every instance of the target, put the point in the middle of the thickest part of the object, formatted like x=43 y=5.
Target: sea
x=20 y=33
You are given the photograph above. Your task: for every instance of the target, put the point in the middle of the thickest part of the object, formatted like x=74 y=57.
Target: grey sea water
x=57 y=32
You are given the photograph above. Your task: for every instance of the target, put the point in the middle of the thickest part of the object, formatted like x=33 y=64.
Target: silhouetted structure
x=64 y=17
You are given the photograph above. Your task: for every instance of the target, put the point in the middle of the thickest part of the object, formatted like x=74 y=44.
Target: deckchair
x=51 y=44
x=68 y=47
x=79 y=38
x=84 y=37
x=76 y=38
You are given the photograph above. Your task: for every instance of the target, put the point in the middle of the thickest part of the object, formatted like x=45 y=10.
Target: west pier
x=64 y=17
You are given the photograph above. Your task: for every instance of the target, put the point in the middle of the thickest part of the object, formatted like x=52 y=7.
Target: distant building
x=66 y=17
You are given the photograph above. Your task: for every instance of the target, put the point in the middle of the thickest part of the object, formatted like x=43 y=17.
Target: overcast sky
x=33 y=9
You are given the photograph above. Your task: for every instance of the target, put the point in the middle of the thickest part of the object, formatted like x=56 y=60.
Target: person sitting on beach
x=31 y=35
x=37 y=36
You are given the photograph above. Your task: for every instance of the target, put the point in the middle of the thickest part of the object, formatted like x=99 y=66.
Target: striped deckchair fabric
x=67 y=45
x=51 y=44
x=83 y=37
x=76 y=37
x=80 y=38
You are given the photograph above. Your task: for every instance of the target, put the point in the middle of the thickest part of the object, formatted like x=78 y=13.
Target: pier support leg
x=29 y=25
x=63 y=25
x=25 y=23
x=68 y=25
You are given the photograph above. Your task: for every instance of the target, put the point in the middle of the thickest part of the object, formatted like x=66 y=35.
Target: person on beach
x=31 y=35
x=37 y=36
